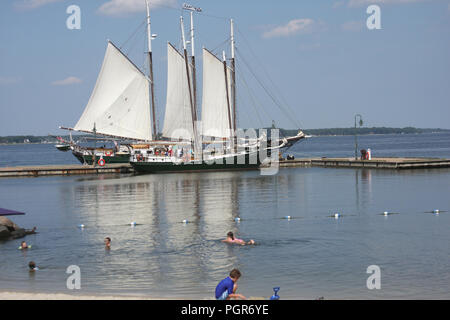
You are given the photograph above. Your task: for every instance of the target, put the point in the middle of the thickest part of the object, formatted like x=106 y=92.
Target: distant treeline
x=32 y=139
x=285 y=132
x=363 y=131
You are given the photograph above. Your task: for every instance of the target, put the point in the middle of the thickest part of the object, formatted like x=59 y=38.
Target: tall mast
x=230 y=124
x=194 y=71
x=150 y=60
x=233 y=76
x=193 y=113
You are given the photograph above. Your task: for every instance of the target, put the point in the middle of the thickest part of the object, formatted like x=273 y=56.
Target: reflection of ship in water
x=159 y=204
x=363 y=188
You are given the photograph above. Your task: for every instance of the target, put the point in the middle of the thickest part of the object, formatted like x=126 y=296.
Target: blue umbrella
x=7 y=212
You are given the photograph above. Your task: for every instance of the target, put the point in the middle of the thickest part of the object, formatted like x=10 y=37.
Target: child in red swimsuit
x=231 y=239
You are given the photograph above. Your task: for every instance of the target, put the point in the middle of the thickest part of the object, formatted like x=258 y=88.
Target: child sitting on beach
x=231 y=239
x=226 y=289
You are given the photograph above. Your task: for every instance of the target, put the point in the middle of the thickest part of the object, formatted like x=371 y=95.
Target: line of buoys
x=337 y=215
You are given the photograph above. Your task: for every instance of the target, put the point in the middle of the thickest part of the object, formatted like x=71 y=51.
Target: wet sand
x=10 y=295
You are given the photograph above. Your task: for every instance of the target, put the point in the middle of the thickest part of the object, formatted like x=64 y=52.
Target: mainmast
x=233 y=76
x=194 y=71
x=150 y=59
x=193 y=112
x=230 y=124
x=233 y=83
x=191 y=10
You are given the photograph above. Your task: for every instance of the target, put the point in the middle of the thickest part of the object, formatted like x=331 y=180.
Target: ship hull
x=121 y=158
x=144 y=167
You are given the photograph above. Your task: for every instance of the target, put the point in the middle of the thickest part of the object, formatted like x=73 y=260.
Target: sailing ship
x=212 y=143
x=122 y=106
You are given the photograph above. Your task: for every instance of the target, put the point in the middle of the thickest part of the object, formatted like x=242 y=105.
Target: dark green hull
x=121 y=158
x=160 y=167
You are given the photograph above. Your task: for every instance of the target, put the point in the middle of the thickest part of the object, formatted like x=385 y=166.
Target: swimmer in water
x=231 y=239
x=23 y=245
x=107 y=243
x=32 y=266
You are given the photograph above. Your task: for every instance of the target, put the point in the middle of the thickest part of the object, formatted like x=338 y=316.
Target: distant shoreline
x=20 y=140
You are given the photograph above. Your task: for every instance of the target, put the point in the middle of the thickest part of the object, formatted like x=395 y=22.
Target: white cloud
x=8 y=80
x=123 y=7
x=358 y=3
x=66 y=82
x=293 y=27
x=32 y=4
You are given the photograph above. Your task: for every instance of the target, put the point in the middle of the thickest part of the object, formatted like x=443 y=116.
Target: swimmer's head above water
x=32 y=266
x=107 y=242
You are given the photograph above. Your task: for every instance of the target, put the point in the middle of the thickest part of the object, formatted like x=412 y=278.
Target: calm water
x=308 y=256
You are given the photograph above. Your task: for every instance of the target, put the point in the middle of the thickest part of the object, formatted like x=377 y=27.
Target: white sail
x=119 y=105
x=178 y=116
x=215 y=114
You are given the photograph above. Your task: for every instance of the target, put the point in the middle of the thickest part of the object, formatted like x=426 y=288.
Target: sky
x=302 y=63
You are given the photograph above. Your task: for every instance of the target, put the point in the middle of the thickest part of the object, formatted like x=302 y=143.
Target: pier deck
x=375 y=163
x=71 y=169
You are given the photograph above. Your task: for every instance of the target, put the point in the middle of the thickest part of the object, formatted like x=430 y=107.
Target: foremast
x=150 y=60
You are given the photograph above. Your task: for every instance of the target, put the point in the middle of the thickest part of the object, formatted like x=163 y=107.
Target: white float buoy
x=337 y=215
x=386 y=213
x=133 y=224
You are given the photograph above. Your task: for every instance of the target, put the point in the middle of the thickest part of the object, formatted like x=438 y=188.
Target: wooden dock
x=61 y=170
x=375 y=163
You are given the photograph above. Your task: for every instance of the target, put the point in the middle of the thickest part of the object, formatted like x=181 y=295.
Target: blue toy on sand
x=275 y=295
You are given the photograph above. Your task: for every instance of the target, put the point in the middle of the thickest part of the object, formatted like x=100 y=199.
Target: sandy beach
x=11 y=295
x=14 y=295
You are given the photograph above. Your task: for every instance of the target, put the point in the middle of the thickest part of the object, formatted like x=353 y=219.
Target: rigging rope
x=266 y=90
x=133 y=34
x=292 y=115
x=252 y=98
